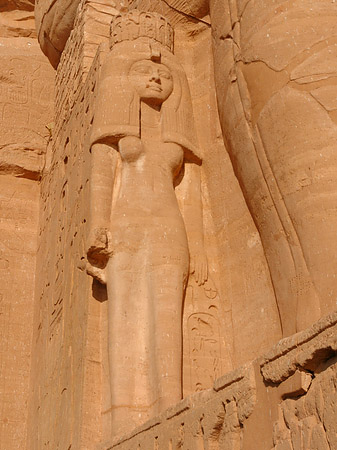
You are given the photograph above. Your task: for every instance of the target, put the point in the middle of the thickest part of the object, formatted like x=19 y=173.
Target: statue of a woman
x=138 y=235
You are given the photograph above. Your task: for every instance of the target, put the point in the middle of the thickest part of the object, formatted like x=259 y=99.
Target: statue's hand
x=98 y=274
x=99 y=247
x=199 y=267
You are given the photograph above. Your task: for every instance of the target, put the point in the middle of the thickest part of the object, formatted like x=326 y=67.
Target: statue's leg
x=167 y=285
x=130 y=341
x=275 y=71
x=145 y=295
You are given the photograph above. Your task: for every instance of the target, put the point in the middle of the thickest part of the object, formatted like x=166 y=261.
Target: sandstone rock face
x=270 y=95
x=19 y=212
x=26 y=112
x=17 y=19
x=55 y=19
x=237 y=133
x=54 y=22
x=215 y=332
x=272 y=77
x=26 y=107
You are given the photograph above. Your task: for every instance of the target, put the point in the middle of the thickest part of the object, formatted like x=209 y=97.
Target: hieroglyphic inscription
x=25 y=101
x=203 y=346
x=205 y=349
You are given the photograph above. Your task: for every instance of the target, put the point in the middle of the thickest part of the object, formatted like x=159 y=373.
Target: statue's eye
x=142 y=69
x=165 y=74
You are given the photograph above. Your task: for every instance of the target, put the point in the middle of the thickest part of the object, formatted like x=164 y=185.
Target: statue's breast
x=165 y=155
x=130 y=148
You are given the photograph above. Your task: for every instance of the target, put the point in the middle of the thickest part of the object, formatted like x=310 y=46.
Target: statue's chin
x=152 y=100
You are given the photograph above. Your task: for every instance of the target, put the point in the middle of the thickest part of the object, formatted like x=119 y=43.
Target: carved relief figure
x=274 y=85
x=139 y=243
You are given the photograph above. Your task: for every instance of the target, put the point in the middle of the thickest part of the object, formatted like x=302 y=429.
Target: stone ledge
x=304 y=350
x=21 y=162
x=224 y=415
x=232 y=396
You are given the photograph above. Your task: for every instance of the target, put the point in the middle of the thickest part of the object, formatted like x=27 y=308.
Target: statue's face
x=152 y=81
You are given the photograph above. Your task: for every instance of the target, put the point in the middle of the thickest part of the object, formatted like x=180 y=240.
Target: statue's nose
x=155 y=76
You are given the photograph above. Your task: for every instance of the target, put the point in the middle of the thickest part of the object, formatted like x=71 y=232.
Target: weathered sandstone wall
x=71 y=329
x=26 y=114
x=275 y=80
x=281 y=400
x=17 y=18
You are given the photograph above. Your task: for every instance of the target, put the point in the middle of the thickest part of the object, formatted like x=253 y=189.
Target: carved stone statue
x=273 y=83
x=138 y=243
x=273 y=86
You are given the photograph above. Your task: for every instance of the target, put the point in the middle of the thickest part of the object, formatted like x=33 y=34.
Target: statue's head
x=141 y=67
x=152 y=81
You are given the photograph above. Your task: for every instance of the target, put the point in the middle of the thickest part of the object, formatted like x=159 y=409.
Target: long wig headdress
x=137 y=36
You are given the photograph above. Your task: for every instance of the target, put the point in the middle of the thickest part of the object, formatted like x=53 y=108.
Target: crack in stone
x=244 y=9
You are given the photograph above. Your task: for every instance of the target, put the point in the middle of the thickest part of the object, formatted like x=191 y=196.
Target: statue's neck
x=150 y=122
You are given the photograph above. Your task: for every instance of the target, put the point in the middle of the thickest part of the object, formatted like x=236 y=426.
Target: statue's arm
x=193 y=217
x=103 y=164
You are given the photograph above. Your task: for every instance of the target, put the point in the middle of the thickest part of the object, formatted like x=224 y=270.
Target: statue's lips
x=154 y=88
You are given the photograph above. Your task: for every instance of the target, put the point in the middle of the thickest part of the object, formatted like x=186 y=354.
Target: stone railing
x=285 y=400
x=209 y=419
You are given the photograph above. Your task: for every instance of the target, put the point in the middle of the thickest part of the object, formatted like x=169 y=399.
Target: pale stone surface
x=232 y=239
x=310 y=422
x=298 y=384
x=210 y=418
x=275 y=145
x=315 y=343
x=54 y=22
x=68 y=346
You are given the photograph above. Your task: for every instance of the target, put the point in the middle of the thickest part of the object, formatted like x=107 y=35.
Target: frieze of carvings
x=208 y=419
